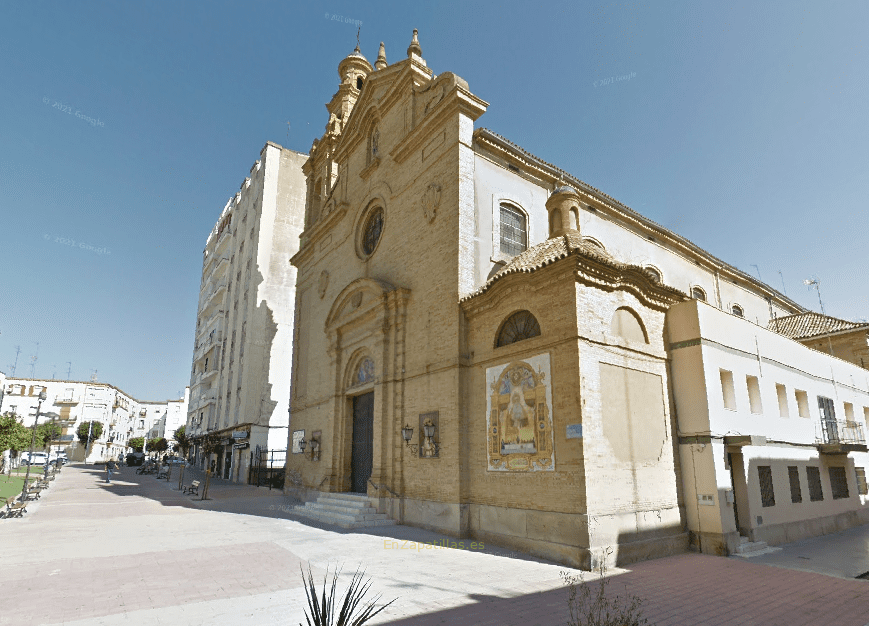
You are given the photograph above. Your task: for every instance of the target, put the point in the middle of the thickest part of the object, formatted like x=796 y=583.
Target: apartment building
x=71 y=403
x=240 y=378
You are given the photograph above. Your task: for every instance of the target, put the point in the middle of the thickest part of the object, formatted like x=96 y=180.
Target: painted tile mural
x=519 y=416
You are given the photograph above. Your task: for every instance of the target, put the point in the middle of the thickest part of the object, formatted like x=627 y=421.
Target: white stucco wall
x=493 y=183
x=729 y=343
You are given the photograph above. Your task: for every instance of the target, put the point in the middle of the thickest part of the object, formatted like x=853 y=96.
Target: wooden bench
x=192 y=488
x=15 y=509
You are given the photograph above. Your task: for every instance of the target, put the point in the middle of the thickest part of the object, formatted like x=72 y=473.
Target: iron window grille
x=767 y=495
x=796 y=492
x=521 y=325
x=813 y=474
x=838 y=483
x=514 y=232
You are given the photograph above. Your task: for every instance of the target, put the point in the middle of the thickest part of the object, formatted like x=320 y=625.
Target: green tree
x=157 y=445
x=210 y=444
x=13 y=434
x=137 y=444
x=95 y=432
x=46 y=433
x=182 y=441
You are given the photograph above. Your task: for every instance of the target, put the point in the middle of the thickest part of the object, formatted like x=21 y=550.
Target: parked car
x=35 y=458
x=176 y=461
x=135 y=458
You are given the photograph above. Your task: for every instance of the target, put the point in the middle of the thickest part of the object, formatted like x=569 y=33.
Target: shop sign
x=239 y=434
x=239 y=446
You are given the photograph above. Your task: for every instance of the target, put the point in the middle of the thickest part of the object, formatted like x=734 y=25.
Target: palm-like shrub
x=321 y=611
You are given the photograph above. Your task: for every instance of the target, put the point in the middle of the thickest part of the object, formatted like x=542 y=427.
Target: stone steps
x=345 y=510
x=747 y=549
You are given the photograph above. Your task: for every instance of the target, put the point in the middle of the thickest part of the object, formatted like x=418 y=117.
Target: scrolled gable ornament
x=431 y=200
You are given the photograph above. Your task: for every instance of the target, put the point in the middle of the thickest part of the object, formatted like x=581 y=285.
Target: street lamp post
x=42 y=397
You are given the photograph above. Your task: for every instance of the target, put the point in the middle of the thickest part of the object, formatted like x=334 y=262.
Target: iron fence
x=267 y=467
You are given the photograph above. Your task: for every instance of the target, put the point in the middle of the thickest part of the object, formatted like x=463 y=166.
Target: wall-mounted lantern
x=315 y=445
x=428 y=448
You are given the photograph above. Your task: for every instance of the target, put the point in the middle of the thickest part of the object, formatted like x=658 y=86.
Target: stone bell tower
x=563 y=208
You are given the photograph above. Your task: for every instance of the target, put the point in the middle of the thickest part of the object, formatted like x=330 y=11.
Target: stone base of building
x=542 y=534
x=724 y=544
x=716 y=544
x=776 y=534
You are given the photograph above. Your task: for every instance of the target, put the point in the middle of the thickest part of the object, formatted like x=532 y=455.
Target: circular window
x=372 y=230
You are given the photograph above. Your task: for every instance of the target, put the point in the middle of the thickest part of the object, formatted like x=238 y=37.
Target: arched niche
x=628 y=325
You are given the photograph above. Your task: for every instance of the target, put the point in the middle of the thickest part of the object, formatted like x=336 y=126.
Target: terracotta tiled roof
x=557 y=248
x=548 y=251
x=804 y=325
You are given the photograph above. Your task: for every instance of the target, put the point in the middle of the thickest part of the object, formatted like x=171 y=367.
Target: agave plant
x=321 y=611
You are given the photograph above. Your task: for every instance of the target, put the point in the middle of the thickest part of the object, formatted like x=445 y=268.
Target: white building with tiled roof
x=840 y=338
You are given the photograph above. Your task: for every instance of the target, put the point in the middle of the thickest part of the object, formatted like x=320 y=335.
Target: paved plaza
x=138 y=551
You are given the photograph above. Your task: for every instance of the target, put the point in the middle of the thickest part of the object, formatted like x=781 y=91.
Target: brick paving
x=139 y=551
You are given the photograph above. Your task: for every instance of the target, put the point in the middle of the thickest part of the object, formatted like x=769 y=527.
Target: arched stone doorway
x=365 y=328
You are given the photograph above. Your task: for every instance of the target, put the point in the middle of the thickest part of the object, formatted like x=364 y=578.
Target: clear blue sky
x=744 y=128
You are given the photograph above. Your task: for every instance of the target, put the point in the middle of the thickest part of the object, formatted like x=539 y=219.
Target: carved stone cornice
x=316 y=232
x=456 y=99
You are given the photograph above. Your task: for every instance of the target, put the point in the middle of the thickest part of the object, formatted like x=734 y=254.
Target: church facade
x=484 y=344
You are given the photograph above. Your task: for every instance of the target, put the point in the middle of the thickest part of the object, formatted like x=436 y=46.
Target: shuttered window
x=828 y=411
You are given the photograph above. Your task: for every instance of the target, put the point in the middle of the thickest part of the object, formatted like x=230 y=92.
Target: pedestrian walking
x=111 y=466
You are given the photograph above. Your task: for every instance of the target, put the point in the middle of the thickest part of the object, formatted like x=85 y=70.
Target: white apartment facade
x=771 y=432
x=240 y=379
x=174 y=416
x=71 y=403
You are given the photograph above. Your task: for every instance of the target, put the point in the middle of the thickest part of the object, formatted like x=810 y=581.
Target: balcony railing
x=206 y=345
x=840 y=437
x=205 y=328
x=67 y=401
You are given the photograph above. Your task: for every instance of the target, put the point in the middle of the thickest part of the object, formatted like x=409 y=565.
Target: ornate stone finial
x=414 y=48
x=380 y=63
